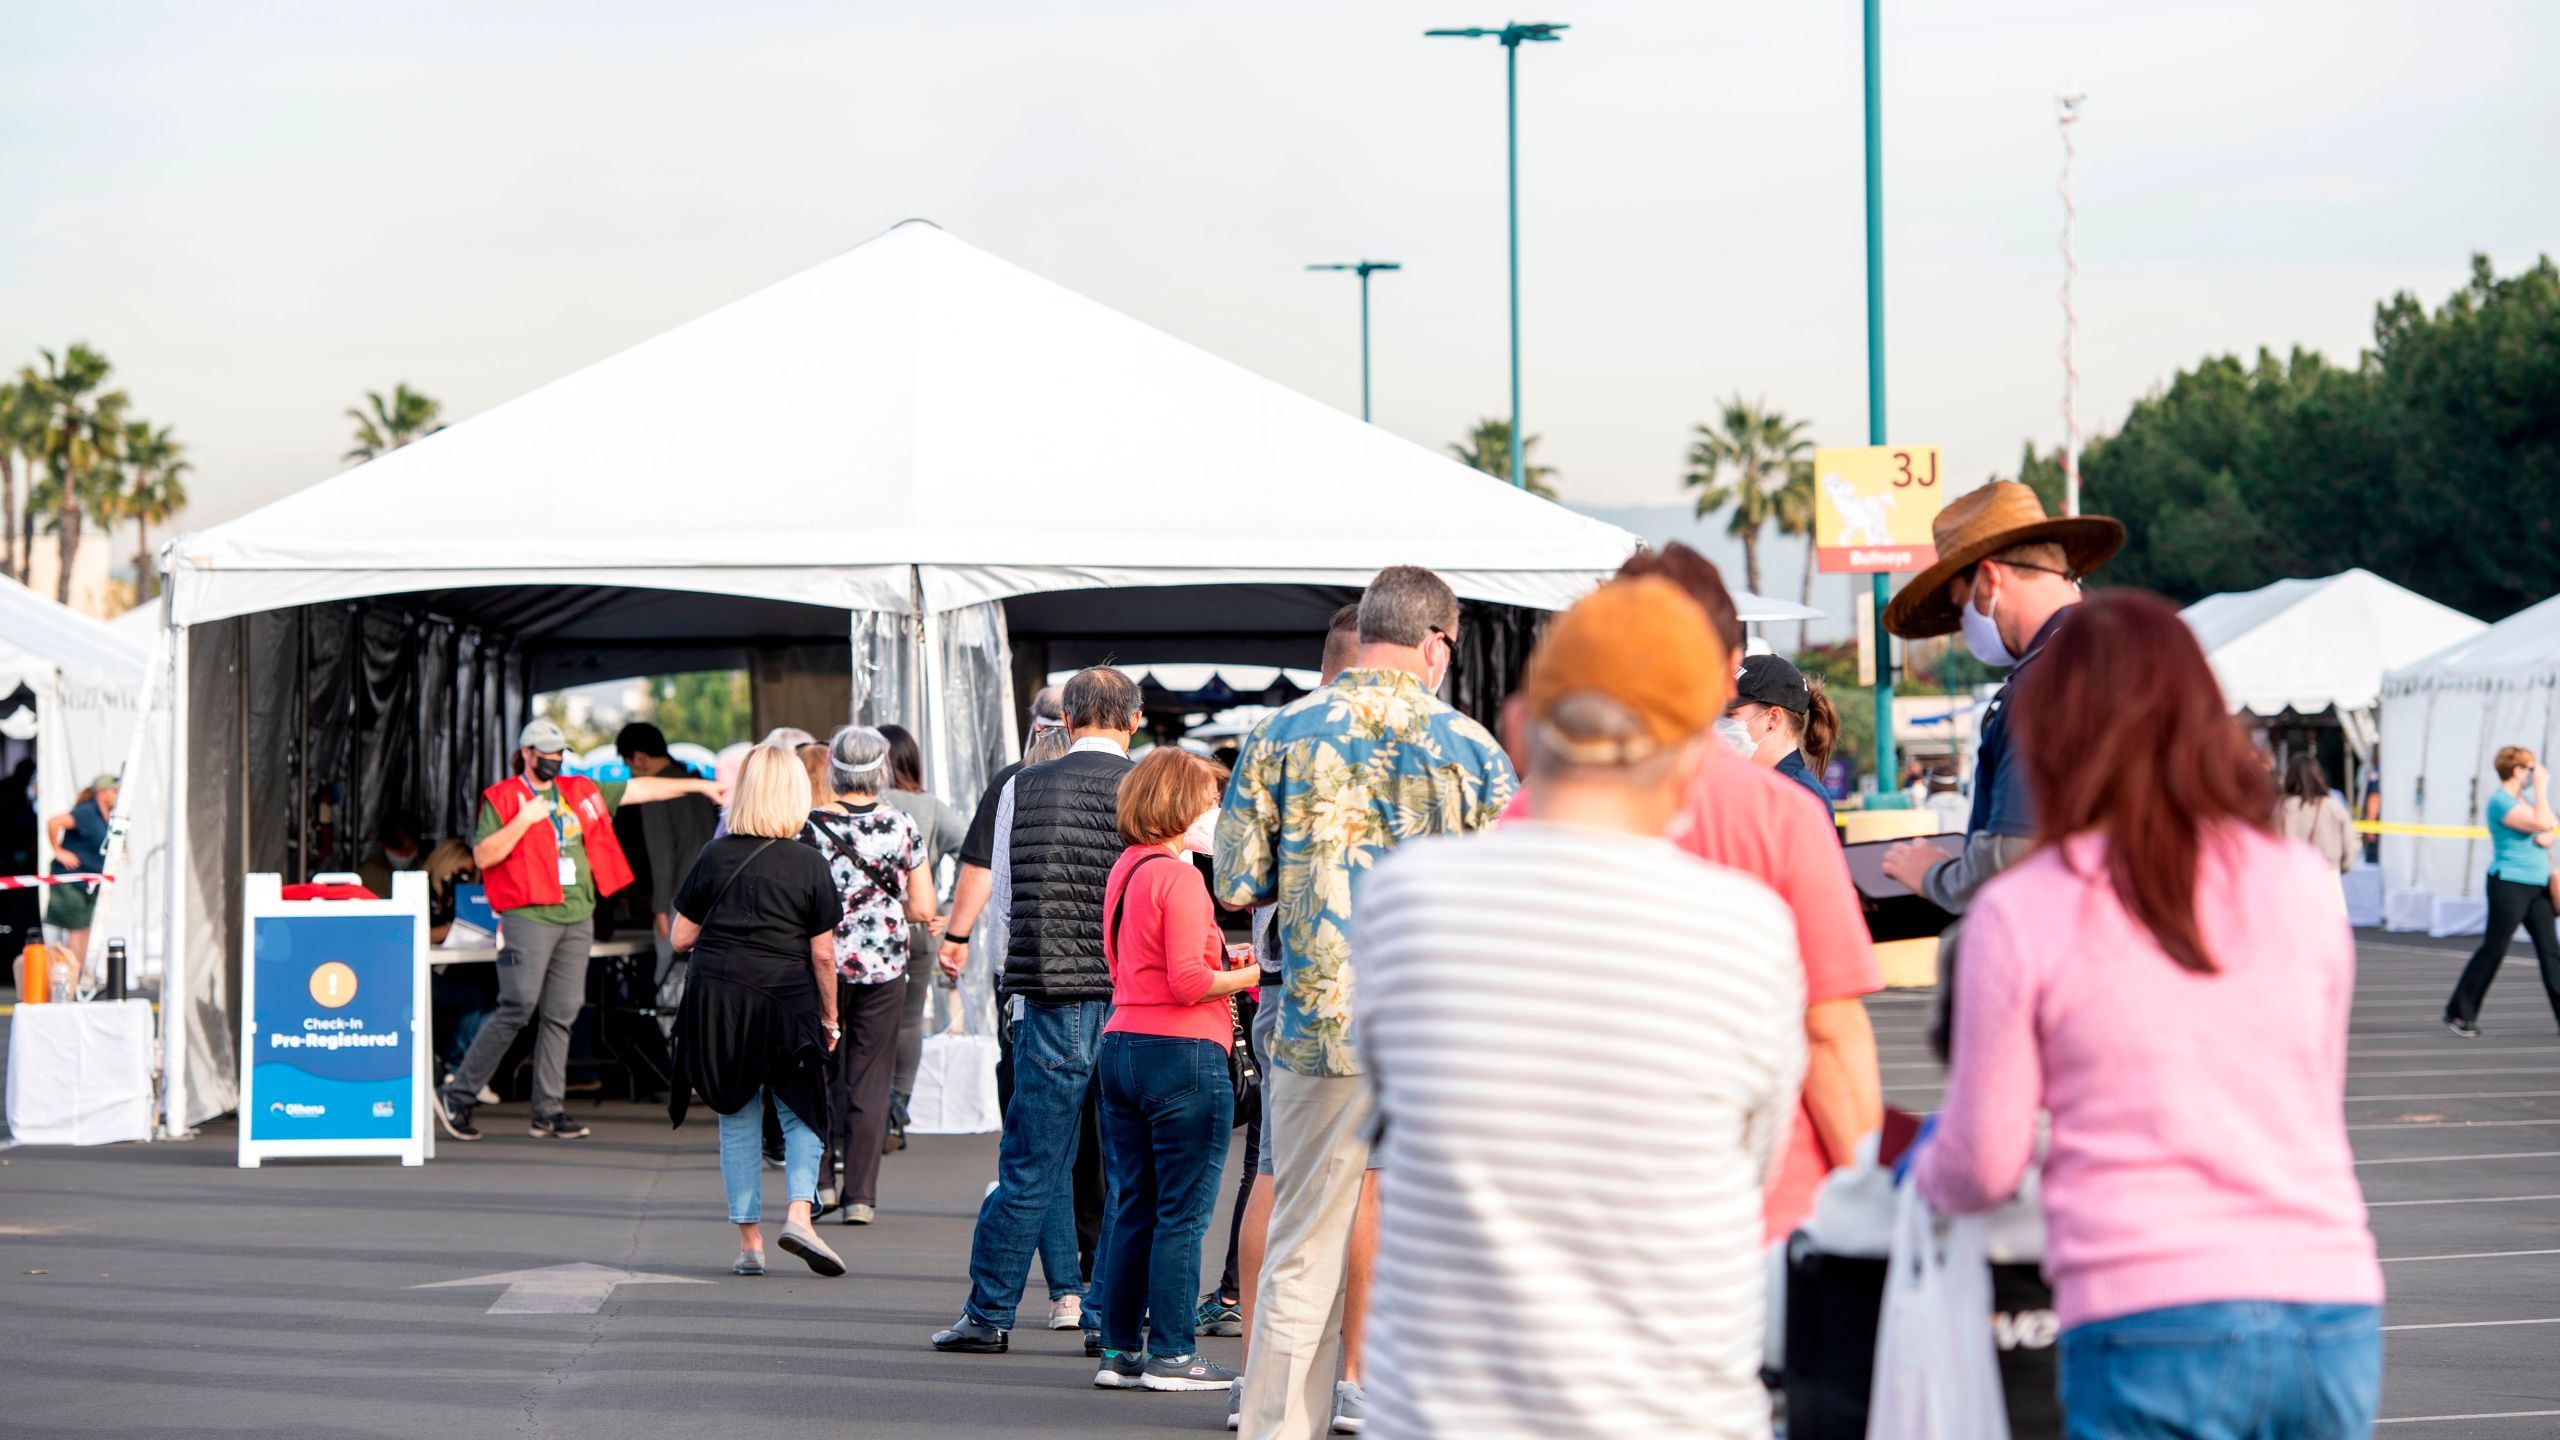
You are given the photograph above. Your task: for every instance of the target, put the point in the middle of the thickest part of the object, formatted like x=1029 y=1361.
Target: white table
x=80 y=1074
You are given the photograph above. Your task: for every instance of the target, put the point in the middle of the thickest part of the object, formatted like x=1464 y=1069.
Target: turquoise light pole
x=1512 y=38
x=1364 y=268
x=1885 y=772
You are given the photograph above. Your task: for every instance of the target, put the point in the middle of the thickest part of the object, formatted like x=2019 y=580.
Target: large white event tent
x=87 y=681
x=914 y=463
x=2444 y=719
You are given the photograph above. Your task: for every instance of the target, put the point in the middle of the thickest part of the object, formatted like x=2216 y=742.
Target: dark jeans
x=2236 y=1370
x=2510 y=904
x=865 y=1055
x=1167 y=1110
x=1230 y=1284
x=922 y=950
x=1054 y=1049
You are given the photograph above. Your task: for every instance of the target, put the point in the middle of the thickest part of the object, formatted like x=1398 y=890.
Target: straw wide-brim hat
x=1980 y=524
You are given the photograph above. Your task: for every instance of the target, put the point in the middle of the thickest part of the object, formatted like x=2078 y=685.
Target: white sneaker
x=1066 y=1313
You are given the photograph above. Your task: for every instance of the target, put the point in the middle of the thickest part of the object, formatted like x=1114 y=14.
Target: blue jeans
x=1167 y=1107
x=742 y=1159
x=1053 y=1052
x=2235 y=1370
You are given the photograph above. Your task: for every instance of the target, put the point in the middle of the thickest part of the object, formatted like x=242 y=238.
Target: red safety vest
x=530 y=875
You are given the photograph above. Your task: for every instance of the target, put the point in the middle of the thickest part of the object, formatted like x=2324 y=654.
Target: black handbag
x=1242 y=1074
x=1833 y=1305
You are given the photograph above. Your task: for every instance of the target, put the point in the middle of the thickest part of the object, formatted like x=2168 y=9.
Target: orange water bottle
x=35 y=967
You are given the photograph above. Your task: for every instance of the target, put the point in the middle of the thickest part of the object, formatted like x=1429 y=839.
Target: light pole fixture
x=1512 y=37
x=1364 y=269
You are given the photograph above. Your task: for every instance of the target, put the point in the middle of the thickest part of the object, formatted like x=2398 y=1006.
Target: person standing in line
x=2005 y=575
x=1057 y=836
x=1779 y=719
x=942 y=828
x=758 y=914
x=2311 y=812
x=1331 y=784
x=1567 y=1169
x=2521 y=827
x=1168 y=1106
x=79 y=843
x=876 y=860
x=546 y=851
x=661 y=842
x=2211 y=1260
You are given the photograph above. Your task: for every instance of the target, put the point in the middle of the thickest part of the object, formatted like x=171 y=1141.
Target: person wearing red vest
x=547 y=854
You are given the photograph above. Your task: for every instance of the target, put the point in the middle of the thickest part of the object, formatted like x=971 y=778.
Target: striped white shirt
x=1586 y=1047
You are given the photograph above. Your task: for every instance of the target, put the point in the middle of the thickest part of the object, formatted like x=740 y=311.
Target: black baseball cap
x=1772 y=680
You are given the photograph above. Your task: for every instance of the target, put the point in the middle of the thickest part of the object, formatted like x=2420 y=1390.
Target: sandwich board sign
x=1872 y=508
x=334 y=1026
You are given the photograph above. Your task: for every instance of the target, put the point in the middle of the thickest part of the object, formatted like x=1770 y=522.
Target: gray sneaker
x=1350 y=1408
x=750 y=1262
x=798 y=1239
x=1235 y=1403
x=1187 y=1372
x=1120 y=1370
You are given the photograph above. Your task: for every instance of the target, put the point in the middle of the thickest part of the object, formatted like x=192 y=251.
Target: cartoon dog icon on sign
x=1864 y=519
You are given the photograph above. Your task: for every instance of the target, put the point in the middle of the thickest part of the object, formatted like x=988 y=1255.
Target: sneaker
x=454 y=1114
x=773 y=1157
x=1187 y=1372
x=1350 y=1408
x=858 y=1213
x=750 y=1262
x=488 y=1096
x=826 y=1202
x=2462 y=1027
x=1120 y=1371
x=1092 y=1340
x=972 y=1337
x=1235 y=1403
x=1218 y=1316
x=798 y=1239
x=1067 y=1313
x=558 y=1127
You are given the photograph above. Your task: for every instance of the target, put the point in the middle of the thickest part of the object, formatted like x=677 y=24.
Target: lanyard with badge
x=559 y=835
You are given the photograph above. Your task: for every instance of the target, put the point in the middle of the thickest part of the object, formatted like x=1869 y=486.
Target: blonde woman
x=759 y=915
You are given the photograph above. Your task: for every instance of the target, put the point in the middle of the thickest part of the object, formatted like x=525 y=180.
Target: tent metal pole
x=176 y=1016
x=937 y=726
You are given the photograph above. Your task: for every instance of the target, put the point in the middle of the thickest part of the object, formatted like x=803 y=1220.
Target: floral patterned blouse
x=870 y=854
x=1321 y=790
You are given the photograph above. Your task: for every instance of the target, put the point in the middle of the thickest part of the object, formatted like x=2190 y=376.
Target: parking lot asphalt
x=161 y=1291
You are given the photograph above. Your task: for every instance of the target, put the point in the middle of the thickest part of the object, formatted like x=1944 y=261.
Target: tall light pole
x=1885 y=776
x=1512 y=38
x=1364 y=268
x=2066 y=115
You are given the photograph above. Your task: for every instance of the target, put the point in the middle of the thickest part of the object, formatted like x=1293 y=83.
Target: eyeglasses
x=1969 y=572
x=1450 y=636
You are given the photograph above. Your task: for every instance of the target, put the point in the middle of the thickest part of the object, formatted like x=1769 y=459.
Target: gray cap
x=544 y=736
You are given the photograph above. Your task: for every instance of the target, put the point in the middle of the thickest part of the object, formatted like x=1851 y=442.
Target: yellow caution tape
x=2444 y=832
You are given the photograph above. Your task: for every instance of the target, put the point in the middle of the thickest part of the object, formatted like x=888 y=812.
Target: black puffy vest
x=1066 y=837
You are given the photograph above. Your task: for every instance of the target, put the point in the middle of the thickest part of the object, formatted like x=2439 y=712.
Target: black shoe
x=972 y=1337
x=1092 y=1340
x=455 y=1115
x=2462 y=1027
x=558 y=1127
x=773 y=1157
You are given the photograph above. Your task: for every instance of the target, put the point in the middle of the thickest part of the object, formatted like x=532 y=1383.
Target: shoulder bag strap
x=723 y=892
x=1111 y=927
x=888 y=881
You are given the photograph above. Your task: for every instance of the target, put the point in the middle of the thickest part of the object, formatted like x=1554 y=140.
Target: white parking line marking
x=2483 y=1415
x=2450 y=1124
x=2480 y=1200
x=2462 y=1094
x=2472 y=1255
x=2450 y=1159
x=2471 y=1324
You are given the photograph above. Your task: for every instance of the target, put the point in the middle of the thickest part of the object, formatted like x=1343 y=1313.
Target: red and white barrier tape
x=30 y=882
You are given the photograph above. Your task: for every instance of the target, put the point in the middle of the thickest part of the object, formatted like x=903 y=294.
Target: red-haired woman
x=2170 y=980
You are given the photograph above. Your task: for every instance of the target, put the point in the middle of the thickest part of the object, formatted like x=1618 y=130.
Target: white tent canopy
x=914 y=414
x=87 y=680
x=2444 y=719
x=911 y=428
x=2318 y=644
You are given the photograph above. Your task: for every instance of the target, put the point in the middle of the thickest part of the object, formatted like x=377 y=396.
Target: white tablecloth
x=80 y=1074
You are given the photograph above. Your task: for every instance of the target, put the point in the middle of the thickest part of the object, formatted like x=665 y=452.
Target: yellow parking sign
x=1872 y=507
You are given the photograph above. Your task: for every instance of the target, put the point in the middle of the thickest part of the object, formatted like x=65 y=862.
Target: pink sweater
x=2198 y=1149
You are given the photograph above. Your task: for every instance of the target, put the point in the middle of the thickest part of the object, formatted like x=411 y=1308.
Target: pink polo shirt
x=2199 y=1146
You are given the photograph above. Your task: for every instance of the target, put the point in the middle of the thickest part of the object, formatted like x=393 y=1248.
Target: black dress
x=751 y=1018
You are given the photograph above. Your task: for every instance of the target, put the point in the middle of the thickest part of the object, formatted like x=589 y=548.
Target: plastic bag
x=1937 y=1373
x=955 y=1090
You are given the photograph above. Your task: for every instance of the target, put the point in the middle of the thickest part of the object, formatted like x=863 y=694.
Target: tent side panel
x=216 y=833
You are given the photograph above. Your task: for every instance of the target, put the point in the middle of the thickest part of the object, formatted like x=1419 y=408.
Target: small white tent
x=87 y=682
x=2314 y=645
x=914 y=453
x=2443 y=721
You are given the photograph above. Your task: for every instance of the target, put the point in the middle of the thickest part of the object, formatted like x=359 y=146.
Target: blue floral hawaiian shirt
x=1320 y=791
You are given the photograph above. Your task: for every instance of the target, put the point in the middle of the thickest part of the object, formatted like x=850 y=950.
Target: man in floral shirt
x=1321 y=790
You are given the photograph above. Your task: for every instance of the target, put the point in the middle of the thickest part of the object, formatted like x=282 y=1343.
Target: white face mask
x=1202 y=837
x=1734 y=733
x=1982 y=635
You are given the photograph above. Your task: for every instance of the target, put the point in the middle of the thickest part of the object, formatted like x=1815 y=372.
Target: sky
x=259 y=211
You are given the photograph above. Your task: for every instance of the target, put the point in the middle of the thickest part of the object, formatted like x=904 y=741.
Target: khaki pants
x=1319 y=1148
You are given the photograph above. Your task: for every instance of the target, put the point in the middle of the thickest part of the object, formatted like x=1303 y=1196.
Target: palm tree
x=1795 y=517
x=1744 y=461
x=1488 y=448
x=82 y=438
x=383 y=426
x=155 y=491
x=21 y=435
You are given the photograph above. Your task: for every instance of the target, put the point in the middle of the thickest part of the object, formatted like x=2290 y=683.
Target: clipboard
x=1892 y=911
